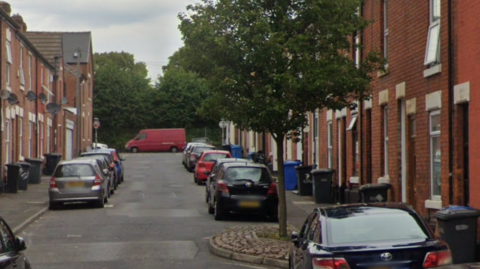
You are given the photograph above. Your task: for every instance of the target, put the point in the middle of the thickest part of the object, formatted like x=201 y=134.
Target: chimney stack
x=19 y=20
x=6 y=7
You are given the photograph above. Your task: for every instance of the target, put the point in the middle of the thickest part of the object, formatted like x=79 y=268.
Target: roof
x=48 y=43
x=72 y=42
x=242 y=164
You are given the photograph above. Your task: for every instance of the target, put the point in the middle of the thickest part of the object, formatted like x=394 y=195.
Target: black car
x=364 y=236
x=243 y=187
x=216 y=166
x=11 y=248
x=187 y=151
x=111 y=160
x=194 y=154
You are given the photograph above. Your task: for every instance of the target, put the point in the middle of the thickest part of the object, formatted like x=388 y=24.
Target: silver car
x=78 y=180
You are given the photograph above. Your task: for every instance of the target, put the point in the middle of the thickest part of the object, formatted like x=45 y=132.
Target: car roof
x=79 y=161
x=96 y=152
x=96 y=156
x=349 y=210
x=215 y=151
x=231 y=160
x=243 y=164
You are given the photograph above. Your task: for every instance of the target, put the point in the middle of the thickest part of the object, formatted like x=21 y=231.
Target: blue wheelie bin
x=291 y=174
x=236 y=151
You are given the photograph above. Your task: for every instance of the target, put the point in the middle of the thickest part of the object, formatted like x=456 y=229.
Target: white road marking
x=174 y=196
x=74 y=235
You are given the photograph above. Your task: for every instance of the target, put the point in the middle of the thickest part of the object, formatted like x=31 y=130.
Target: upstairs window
x=385 y=30
x=432 y=54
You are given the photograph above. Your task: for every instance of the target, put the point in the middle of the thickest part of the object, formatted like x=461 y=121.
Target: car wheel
x=122 y=180
x=218 y=213
x=195 y=180
x=134 y=150
x=112 y=191
x=100 y=203
x=206 y=196
x=211 y=210
x=174 y=149
x=53 y=205
x=106 y=198
x=199 y=182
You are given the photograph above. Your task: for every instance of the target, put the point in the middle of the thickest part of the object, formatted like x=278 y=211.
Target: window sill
x=22 y=88
x=354 y=180
x=436 y=69
x=433 y=204
x=384 y=179
x=383 y=73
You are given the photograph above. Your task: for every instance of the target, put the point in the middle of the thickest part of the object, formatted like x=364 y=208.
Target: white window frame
x=432 y=52
x=385 y=140
x=7 y=141
x=385 y=31
x=20 y=134
x=357 y=43
x=330 y=143
x=9 y=52
x=22 y=74
x=434 y=135
x=8 y=74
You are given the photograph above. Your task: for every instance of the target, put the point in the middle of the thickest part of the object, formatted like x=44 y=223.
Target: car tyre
x=53 y=205
x=134 y=150
x=195 y=180
x=211 y=210
x=218 y=213
x=199 y=182
x=100 y=203
x=111 y=192
x=122 y=180
x=206 y=196
x=174 y=150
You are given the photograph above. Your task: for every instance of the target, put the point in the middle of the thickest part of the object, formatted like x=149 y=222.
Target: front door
x=68 y=144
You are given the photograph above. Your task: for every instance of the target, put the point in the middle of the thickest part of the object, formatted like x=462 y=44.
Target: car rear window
x=200 y=149
x=211 y=157
x=375 y=227
x=251 y=173
x=105 y=155
x=73 y=170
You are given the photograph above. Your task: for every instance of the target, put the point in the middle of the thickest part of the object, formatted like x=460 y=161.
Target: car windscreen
x=74 y=170
x=211 y=157
x=255 y=174
x=106 y=155
x=200 y=149
x=375 y=227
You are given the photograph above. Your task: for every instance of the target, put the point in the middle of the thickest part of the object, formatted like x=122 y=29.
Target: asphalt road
x=157 y=219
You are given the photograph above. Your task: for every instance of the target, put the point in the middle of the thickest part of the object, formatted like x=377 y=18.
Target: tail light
x=273 y=189
x=330 y=263
x=53 y=183
x=437 y=258
x=112 y=165
x=97 y=181
x=222 y=186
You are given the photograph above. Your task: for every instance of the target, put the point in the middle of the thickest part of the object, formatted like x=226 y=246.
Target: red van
x=158 y=140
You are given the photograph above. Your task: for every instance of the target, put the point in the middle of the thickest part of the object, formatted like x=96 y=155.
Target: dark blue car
x=116 y=162
x=366 y=236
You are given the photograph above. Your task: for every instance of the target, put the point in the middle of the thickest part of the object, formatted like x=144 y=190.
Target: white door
x=68 y=144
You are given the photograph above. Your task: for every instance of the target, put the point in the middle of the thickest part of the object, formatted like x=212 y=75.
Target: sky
x=148 y=29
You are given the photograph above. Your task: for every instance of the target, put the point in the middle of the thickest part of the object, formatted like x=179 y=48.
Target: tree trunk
x=282 y=206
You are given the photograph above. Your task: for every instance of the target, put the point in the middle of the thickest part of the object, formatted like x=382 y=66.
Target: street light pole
x=77 y=54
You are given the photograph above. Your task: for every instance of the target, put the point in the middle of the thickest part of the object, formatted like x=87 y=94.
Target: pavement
x=24 y=207
x=257 y=243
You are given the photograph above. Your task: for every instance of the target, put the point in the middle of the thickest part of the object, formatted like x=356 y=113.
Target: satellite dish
x=31 y=96
x=13 y=99
x=42 y=97
x=53 y=108
x=4 y=94
x=64 y=100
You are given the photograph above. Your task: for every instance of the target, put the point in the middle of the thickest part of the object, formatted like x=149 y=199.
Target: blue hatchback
x=117 y=161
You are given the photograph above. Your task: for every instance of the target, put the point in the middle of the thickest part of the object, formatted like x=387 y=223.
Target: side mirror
x=122 y=159
x=21 y=244
x=207 y=173
x=294 y=238
x=105 y=171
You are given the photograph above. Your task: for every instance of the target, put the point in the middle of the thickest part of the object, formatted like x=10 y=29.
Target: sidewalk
x=254 y=244
x=22 y=208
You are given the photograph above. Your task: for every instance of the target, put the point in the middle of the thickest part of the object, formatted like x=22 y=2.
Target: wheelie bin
x=457 y=225
x=51 y=161
x=304 y=181
x=13 y=177
x=322 y=185
x=371 y=193
x=290 y=174
x=23 y=178
x=35 y=174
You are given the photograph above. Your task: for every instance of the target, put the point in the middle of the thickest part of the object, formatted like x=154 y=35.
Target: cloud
x=148 y=29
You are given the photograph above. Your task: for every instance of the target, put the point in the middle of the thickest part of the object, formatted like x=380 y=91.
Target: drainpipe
x=450 y=104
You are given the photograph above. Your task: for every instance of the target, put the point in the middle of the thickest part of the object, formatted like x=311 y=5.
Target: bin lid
x=23 y=164
x=378 y=186
x=322 y=171
x=456 y=212
x=53 y=154
x=34 y=160
x=304 y=167
x=235 y=147
x=12 y=165
x=292 y=163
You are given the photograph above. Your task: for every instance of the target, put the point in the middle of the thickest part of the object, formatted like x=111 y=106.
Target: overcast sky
x=148 y=29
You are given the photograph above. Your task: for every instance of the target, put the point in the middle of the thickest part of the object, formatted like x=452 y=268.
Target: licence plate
x=75 y=184
x=249 y=204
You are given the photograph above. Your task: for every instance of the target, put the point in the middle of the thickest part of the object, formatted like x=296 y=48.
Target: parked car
x=215 y=167
x=99 y=146
x=202 y=140
x=78 y=180
x=205 y=164
x=115 y=162
x=187 y=150
x=171 y=140
x=104 y=165
x=11 y=249
x=243 y=187
x=194 y=154
x=380 y=235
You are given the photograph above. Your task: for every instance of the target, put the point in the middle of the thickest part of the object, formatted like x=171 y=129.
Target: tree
x=122 y=95
x=273 y=61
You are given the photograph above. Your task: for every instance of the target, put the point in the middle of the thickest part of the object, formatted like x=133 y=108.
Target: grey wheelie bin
x=304 y=180
x=23 y=177
x=35 y=174
x=322 y=185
